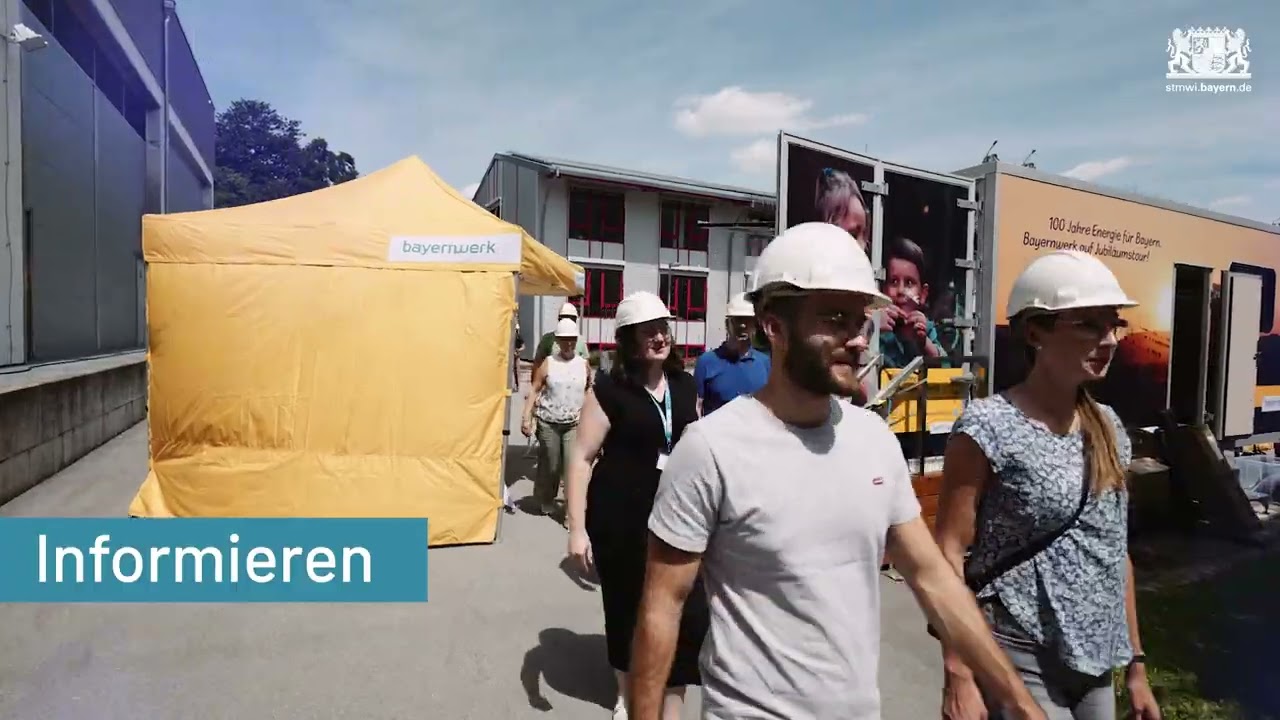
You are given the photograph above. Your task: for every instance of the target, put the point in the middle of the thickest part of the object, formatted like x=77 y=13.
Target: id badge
x=662 y=460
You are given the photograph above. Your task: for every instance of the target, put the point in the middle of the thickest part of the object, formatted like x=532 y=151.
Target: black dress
x=619 y=499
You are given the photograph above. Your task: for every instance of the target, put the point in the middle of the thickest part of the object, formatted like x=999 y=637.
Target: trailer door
x=1241 y=314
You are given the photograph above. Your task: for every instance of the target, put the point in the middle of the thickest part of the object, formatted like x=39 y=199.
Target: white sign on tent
x=476 y=249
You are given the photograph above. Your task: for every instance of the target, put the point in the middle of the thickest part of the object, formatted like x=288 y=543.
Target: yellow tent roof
x=401 y=217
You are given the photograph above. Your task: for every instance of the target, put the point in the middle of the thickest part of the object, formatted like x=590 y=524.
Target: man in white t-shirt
x=785 y=500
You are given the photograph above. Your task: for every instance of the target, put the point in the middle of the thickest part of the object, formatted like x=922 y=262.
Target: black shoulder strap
x=976 y=584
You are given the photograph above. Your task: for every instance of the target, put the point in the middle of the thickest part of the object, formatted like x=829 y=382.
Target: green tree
x=261 y=156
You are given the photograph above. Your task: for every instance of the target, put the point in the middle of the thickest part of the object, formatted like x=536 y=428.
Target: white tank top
x=563 y=390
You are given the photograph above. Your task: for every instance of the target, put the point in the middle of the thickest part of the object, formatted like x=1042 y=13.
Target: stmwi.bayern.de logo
x=1213 y=60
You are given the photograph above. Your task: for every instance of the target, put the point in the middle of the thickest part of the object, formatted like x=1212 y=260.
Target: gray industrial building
x=85 y=157
x=632 y=230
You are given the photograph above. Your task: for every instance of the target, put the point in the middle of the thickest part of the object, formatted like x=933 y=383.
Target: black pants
x=619 y=555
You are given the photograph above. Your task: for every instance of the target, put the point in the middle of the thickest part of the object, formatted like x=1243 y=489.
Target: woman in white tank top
x=555 y=401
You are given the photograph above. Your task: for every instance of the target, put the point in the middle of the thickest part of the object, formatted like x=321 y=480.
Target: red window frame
x=596 y=215
x=679 y=229
x=597 y=301
x=685 y=295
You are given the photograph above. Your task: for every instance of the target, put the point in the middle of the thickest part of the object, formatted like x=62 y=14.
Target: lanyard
x=664 y=410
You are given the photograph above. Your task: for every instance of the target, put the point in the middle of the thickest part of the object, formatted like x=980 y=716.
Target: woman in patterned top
x=1034 y=486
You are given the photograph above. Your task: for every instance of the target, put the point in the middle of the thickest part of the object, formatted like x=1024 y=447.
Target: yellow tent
x=344 y=352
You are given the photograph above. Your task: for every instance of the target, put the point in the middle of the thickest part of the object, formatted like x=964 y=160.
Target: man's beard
x=806 y=367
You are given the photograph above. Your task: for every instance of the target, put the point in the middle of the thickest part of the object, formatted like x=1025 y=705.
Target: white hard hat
x=1065 y=280
x=566 y=328
x=740 y=306
x=816 y=256
x=639 y=307
x=568 y=310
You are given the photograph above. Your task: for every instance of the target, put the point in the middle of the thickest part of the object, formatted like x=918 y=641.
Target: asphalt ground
x=506 y=634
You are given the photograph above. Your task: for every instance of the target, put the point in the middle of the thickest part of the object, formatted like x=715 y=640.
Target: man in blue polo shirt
x=735 y=367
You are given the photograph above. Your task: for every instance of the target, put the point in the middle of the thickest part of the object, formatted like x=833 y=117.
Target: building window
x=602 y=293
x=680 y=228
x=495 y=207
x=755 y=245
x=597 y=215
x=686 y=296
x=43 y=10
x=72 y=36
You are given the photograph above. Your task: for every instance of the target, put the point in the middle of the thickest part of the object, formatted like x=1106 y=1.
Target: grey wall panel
x=84 y=175
x=186 y=191
x=507 y=182
x=527 y=201
x=121 y=193
x=58 y=190
x=488 y=189
x=520 y=188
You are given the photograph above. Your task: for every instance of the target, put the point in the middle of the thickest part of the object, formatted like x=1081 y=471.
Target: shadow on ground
x=520 y=465
x=571 y=664
x=1216 y=639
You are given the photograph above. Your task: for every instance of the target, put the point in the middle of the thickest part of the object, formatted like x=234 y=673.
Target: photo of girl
x=838 y=201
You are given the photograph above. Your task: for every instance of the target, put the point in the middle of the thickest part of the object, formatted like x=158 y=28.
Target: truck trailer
x=1200 y=357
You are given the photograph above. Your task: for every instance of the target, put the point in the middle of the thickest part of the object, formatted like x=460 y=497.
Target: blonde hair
x=1102 y=451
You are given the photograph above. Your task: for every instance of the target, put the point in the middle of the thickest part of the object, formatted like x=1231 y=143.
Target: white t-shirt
x=791 y=523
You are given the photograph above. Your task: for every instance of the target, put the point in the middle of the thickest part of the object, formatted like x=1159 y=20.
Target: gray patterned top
x=1069 y=599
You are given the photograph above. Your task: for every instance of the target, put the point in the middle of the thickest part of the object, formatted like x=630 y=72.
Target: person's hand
x=889 y=317
x=526 y=427
x=961 y=700
x=580 y=553
x=1141 y=699
x=918 y=324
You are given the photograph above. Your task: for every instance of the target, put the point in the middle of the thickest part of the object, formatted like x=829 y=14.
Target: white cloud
x=470 y=190
x=757 y=158
x=736 y=111
x=1231 y=201
x=1094 y=169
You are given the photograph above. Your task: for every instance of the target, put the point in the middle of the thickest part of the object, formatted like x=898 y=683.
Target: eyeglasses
x=1099 y=328
x=841 y=322
x=655 y=329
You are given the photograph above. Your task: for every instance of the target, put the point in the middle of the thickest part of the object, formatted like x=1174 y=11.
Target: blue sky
x=700 y=88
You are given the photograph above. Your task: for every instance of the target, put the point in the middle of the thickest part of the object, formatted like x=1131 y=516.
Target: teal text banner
x=97 y=560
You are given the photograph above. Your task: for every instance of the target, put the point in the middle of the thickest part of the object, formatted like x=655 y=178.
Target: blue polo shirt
x=722 y=376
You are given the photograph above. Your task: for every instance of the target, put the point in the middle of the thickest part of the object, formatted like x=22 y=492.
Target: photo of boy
x=906 y=331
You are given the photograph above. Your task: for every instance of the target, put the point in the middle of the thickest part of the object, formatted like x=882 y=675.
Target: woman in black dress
x=631 y=418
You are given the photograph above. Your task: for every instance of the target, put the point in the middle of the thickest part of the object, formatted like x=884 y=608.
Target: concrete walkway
x=506 y=635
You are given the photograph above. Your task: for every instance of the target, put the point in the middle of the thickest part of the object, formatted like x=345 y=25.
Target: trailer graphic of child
x=906 y=330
